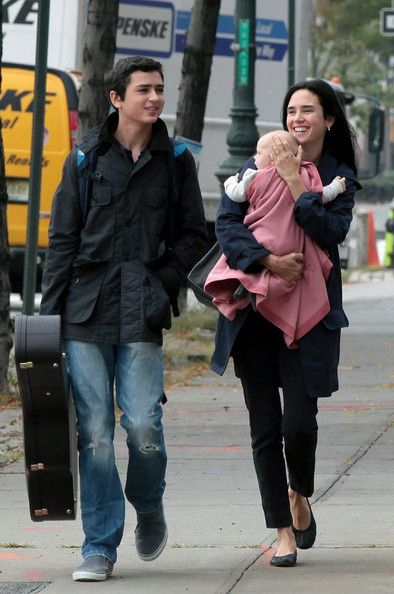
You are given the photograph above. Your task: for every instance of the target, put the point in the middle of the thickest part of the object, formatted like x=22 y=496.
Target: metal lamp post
x=30 y=267
x=243 y=134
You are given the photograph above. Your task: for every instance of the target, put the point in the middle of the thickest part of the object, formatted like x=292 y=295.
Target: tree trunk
x=98 y=58
x=5 y=338
x=196 y=69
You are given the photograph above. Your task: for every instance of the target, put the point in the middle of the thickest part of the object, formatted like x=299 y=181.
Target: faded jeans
x=136 y=370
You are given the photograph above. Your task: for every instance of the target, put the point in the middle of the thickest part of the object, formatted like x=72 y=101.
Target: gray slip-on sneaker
x=95 y=568
x=151 y=534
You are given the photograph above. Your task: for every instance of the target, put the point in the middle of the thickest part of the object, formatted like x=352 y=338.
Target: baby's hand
x=342 y=182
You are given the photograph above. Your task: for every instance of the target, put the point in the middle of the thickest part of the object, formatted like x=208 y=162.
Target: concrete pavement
x=218 y=542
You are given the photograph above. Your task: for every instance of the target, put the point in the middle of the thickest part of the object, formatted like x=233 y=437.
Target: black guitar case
x=49 y=424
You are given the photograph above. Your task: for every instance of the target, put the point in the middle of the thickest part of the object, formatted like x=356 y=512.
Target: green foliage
x=346 y=42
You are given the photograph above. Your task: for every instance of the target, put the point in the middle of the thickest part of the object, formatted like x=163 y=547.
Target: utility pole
x=30 y=265
x=243 y=134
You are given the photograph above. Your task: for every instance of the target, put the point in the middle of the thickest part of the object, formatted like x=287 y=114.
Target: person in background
x=114 y=278
x=263 y=362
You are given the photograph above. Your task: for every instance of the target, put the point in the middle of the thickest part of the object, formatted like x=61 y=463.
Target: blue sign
x=265 y=50
x=265 y=30
x=226 y=26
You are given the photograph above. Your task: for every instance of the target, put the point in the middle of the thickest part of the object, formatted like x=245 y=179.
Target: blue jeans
x=136 y=369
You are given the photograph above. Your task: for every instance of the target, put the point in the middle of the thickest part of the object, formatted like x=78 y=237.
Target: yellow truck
x=60 y=129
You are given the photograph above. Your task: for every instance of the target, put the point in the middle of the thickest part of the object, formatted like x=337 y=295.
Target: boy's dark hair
x=118 y=77
x=341 y=140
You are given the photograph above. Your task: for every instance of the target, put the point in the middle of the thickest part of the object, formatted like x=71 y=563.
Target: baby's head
x=263 y=149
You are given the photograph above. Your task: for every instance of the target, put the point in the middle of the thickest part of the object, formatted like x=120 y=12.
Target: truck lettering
x=9 y=123
x=143 y=27
x=47 y=102
x=28 y=7
x=11 y=98
x=23 y=162
x=6 y=6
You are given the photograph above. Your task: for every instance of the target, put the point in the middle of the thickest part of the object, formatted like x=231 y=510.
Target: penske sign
x=145 y=27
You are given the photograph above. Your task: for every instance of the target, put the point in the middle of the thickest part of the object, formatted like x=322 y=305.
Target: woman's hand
x=288 y=165
x=289 y=266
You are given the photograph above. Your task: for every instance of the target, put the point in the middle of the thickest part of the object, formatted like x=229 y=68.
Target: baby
x=236 y=189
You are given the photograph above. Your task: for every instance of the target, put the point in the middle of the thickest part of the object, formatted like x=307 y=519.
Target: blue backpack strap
x=86 y=163
x=178 y=146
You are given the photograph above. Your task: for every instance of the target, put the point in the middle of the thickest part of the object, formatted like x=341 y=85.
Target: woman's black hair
x=340 y=140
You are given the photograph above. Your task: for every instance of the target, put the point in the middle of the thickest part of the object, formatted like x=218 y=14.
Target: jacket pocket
x=154 y=207
x=97 y=235
x=101 y=195
x=156 y=304
x=82 y=294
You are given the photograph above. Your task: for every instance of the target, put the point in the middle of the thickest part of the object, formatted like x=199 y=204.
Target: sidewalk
x=218 y=542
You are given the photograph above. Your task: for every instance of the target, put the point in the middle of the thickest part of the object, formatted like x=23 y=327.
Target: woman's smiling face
x=305 y=120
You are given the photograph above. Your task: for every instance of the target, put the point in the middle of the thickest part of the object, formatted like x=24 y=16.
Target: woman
x=312 y=114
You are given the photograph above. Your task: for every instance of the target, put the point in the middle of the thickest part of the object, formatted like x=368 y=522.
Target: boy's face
x=144 y=98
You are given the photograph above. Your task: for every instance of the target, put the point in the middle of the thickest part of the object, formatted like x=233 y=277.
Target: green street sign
x=243 y=52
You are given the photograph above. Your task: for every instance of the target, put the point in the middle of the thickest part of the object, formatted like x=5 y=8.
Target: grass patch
x=188 y=346
x=16 y=545
x=178 y=545
x=345 y=273
x=198 y=318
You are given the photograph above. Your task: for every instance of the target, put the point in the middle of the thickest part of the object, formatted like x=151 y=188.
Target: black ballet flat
x=305 y=539
x=284 y=560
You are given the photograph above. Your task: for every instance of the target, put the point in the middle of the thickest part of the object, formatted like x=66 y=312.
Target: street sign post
x=387 y=22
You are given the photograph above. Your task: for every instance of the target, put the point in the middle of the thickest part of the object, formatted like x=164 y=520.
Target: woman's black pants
x=263 y=362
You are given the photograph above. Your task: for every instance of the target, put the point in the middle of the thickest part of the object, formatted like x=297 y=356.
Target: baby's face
x=262 y=156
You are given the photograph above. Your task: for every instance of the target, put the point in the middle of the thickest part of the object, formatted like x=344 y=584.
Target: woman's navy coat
x=327 y=225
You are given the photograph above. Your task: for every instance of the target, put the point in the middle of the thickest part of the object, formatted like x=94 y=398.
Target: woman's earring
x=328 y=128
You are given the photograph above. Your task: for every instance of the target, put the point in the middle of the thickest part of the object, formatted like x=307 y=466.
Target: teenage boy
x=114 y=275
